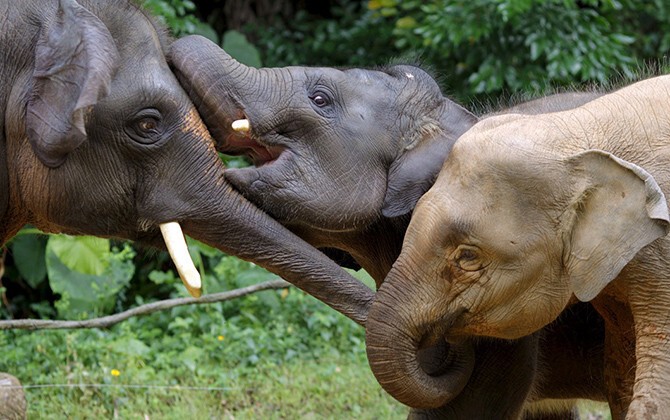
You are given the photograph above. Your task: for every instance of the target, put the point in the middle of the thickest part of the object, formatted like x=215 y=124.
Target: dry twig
x=107 y=321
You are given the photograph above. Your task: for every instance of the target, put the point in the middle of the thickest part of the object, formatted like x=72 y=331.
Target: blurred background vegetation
x=482 y=52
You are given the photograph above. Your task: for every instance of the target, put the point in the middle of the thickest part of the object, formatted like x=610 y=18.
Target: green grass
x=338 y=387
x=270 y=355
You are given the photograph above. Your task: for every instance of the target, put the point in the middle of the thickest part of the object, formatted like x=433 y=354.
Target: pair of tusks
x=176 y=244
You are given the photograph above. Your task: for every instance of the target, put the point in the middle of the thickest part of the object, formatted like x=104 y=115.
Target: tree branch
x=106 y=321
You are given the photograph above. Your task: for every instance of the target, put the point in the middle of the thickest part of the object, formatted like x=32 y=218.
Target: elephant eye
x=468 y=258
x=319 y=100
x=145 y=128
x=147 y=125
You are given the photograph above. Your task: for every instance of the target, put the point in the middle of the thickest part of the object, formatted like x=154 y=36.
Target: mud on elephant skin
x=99 y=138
x=528 y=212
x=342 y=157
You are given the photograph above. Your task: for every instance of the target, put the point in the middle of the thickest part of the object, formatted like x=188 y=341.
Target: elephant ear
x=414 y=171
x=75 y=58
x=620 y=209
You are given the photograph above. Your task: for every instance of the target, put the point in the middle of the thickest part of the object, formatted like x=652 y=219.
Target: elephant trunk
x=234 y=225
x=208 y=74
x=395 y=333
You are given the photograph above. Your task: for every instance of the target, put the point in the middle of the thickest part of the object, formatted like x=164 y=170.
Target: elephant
x=341 y=159
x=528 y=214
x=99 y=138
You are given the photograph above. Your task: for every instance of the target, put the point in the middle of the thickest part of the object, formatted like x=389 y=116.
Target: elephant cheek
x=193 y=127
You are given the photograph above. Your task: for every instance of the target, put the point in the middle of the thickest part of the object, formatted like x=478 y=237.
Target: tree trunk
x=12 y=398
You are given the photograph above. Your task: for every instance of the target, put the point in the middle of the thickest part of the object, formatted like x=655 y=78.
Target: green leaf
x=84 y=254
x=129 y=346
x=28 y=252
x=88 y=294
x=236 y=44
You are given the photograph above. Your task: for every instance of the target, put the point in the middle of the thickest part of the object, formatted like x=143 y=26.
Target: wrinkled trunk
x=213 y=69
x=395 y=333
x=232 y=224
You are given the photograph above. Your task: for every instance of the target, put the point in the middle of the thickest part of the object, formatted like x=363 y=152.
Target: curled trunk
x=395 y=333
x=204 y=70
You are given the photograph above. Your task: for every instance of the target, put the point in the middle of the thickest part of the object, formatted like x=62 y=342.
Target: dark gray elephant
x=341 y=159
x=99 y=138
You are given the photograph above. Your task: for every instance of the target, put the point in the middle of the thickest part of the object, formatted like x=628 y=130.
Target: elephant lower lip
x=265 y=155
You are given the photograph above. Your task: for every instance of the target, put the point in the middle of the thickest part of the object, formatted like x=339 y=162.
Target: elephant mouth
x=243 y=140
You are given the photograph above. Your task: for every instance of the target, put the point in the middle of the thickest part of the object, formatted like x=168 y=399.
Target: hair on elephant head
x=99 y=138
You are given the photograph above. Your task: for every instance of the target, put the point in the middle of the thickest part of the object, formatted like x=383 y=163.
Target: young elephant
x=99 y=138
x=527 y=212
x=342 y=157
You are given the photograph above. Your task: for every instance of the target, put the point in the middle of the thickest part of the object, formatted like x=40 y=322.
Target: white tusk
x=241 y=125
x=176 y=245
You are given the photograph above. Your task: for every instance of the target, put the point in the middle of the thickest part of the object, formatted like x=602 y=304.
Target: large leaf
x=28 y=252
x=84 y=254
x=84 y=294
x=240 y=49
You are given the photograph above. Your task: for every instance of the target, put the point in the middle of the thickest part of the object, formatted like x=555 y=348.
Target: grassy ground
x=333 y=388
x=337 y=388
x=273 y=355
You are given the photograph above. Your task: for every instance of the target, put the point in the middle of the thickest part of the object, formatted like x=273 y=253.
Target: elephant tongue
x=176 y=245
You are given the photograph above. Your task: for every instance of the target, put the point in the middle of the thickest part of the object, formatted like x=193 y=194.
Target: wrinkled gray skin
x=342 y=158
x=99 y=138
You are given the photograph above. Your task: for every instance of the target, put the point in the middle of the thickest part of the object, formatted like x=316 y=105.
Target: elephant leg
x=503 y=377
x=649 y=299
x=571 y=355
x=619 y=357
x=554 y=410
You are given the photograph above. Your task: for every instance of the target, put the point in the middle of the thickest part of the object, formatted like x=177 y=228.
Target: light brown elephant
x=528 y=213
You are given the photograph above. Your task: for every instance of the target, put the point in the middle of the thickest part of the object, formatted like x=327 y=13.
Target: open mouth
x=243 y=141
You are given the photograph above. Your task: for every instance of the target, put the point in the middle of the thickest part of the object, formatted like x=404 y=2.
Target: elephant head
x=524 y=214
x=100 y=139
x=323 y=137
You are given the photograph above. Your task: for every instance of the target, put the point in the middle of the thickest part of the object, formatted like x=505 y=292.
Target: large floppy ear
x=75 y=58
x=414 y=171
x=619 y=209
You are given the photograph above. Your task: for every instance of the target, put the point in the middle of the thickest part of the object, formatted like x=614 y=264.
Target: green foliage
x=178 y=16
x=237 y=45
x=518 y=44
x=353 y=37
x=29 y=251
x=86 y=274
x=484 y=48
